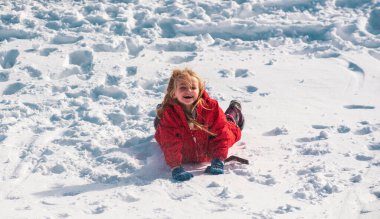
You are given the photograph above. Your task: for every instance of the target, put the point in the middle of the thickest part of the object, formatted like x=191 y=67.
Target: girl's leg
x=234 y=114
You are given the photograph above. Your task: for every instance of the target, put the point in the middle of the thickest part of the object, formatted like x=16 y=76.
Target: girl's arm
x=169 y=137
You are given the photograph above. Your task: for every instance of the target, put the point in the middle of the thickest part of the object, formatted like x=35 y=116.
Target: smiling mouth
x=188 y=97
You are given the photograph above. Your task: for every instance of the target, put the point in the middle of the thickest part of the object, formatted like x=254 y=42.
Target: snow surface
x=79 y=82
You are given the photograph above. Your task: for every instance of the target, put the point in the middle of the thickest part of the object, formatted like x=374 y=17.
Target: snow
x=80 y=81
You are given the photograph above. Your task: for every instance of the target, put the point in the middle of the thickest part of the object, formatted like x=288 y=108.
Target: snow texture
x=80 y=81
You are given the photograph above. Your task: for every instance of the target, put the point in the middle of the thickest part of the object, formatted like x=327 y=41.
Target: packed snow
x=80 y=81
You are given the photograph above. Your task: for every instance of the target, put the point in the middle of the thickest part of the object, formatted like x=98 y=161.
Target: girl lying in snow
x=191 y=127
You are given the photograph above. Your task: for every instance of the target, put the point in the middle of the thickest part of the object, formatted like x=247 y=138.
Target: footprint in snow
x=372 y=147
x=47 y=152
x=264 y=94
x=180 y=195
x=356 y=178
x=316 y=149
x=373 y=25
x=80 y=63
x=133 y=109
x=181 y=59
x=153 y=86
x=327 y=54
x=321 y=127
x=54 y=25
x=47 y=51
x=120 y=29
x=96 y=19
x=134 y=141
x=99 y=210
x=13 y=88
x=33 y=72
x=310 y=170
x=3 y=137
x=363 y=157
x=286 y=209
x=267 y=180
x=112 y=80
x=32 y=106
x=177 y=46
x=101 y=47
x=242 y=73
x=111 y=91
x=277 y=131
x=65 y=39
x=67 y=142
x=226 y=194
x=213 y=185
x=66 y=73
x=116 y=118
x=225 y=73
x=364 y=131
x=12 y=197
x=322 y=136
x=374 y=54
x=63 y=215
x=4 y=76
x=242 y=171
x=251 y=89
x=135 y=46
x=354 y=67
x=58 y=169
x=343 y=129
x=12 y=34
x=377 y=194
x=8 y=59
x=71 y=193
x=8 y=19
x=75 y=93
x=131 y=70
x=46 y=15
x=271 y=62
x=83 y=59
x=129 y=197
x=358 y=107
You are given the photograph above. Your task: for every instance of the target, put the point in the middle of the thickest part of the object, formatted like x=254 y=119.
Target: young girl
x=191 y=127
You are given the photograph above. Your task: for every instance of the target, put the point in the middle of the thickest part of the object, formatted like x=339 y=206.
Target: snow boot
x=233 y=113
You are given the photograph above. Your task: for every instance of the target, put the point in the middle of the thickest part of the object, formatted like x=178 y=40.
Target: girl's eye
x=193 y=88
x=183 y=88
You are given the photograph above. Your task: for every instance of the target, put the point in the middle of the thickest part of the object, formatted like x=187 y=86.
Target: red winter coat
x=180 y=144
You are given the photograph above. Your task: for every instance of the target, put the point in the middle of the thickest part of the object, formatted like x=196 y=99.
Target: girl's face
x=186 y=92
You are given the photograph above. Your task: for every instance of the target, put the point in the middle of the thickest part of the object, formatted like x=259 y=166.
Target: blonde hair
x=186 y=75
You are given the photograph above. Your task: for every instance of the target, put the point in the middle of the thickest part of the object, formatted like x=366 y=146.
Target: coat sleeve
x=218 y=145
x=169 y=137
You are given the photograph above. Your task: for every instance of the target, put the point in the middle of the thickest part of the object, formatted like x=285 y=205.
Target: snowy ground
x=79 y=82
